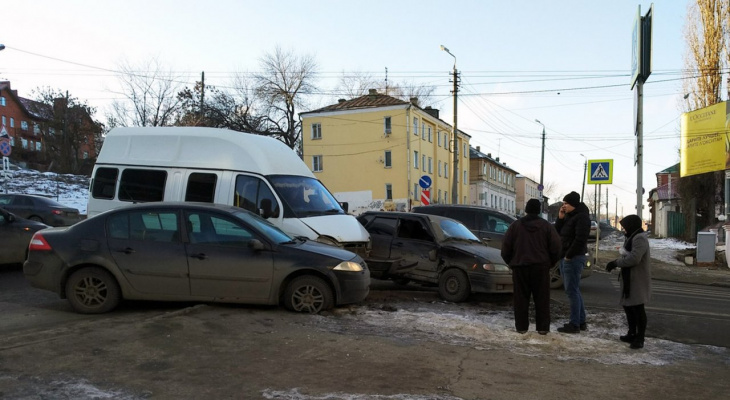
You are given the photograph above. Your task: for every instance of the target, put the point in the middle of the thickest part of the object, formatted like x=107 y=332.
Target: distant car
x=594 y=228
x=488 y=225
x=39 y=208
x=433 y=250
x=15 y=235
x=191 y=252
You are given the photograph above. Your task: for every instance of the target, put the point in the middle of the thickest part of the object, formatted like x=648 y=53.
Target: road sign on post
x=425 y=182
x=600 y=172
x=425 y=197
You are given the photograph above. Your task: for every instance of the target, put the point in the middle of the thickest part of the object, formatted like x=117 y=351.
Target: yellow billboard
x=705 y=144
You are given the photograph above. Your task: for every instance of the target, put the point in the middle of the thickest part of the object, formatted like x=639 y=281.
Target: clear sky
x=565 y=63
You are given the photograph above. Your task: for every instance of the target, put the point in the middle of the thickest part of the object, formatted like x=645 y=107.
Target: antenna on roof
x=386 y=81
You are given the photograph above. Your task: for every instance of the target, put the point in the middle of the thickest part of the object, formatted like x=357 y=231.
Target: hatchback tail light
x=56 y=212
x=38 y=243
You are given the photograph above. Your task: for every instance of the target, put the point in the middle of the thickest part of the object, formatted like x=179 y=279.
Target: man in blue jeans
x=574 y=226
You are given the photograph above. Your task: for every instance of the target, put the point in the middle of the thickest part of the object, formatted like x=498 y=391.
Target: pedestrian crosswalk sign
x=600 y=172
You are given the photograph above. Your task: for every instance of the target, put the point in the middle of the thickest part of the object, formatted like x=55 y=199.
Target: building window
x=415 y=126
x=2 y=101
x=36 y=129
x=51 y=131
x=465 y=176
x=439 y=168
x=415 y=159
x=439 y=198
x=3 y=120
x=316 y=163
x=446 y=140
x=438 y=138
x=24 y=143
x=24 y=125
x=423 y=131
x=387 y=126
x=388 y=191
x=316 y=131
x=86 y=155
x=446 y=170
x=12 y=122
x=446 y=197
x=465 y=152
x=430 y=137
x=388 y=159
x=430 y=165
x=37 y=146
x=423 y=162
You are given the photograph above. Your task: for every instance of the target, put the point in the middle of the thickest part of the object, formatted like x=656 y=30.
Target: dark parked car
x=488 y=225
x=433 y=250
x=191 y=252
x=39 y=208
x=15 y=234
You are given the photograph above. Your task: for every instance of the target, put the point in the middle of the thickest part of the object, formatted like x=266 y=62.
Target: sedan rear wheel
x=35 y=218
x=308 y=294
x=454 y=286
x=92 y=291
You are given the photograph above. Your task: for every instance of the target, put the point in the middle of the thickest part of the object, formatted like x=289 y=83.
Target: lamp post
x=542 y=163
x=2 y=47
x=585 y=170
x=455 y=177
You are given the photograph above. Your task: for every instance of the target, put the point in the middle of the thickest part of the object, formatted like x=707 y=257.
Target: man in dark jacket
x=530 y=247
x=574 y=226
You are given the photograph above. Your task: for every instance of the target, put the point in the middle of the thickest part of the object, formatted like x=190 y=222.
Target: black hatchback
x=191 y=252
x=433 y=250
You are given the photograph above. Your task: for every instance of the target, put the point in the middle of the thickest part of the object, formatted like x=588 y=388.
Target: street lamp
x=455 y=177
x=2 y=47
x=542 y=160
x=585 y=169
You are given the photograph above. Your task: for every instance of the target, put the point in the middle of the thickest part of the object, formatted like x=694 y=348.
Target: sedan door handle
x=128 y=250
x=199 y=256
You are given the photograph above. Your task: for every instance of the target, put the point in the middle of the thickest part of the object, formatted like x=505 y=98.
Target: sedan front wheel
x=454 y=286
x=308 y=294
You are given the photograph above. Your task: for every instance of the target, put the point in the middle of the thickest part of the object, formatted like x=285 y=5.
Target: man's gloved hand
x=611 y=266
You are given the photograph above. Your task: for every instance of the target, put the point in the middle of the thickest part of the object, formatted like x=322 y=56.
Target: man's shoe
x=569 y=328
x=637 y=344
x=543 y=332
x=522 y=332
x=627 y=338
x=583 y=326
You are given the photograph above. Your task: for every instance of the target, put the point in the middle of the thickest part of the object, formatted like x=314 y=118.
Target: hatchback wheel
x=92 y=291
x=35 y=218
x=308 y=294
x=556 y=280
x=454 y=286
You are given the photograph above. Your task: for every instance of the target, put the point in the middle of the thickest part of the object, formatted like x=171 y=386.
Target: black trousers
x=531 y=281
x=636 y=317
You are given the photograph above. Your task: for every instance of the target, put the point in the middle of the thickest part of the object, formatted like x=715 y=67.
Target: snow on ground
x=662 y=249
x=69 y=190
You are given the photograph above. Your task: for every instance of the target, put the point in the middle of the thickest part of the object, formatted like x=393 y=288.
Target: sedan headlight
x=495 y=267
x=348 y=266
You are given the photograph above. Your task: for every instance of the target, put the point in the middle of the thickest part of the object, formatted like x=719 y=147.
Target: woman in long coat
x=635 y=277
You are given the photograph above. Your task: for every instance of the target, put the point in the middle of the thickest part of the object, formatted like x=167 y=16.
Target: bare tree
x=150 y=94
x=706 y=34
x=357 y=84
x=279 y=91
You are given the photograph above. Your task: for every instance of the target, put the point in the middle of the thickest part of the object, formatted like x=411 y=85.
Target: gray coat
x=639 y=261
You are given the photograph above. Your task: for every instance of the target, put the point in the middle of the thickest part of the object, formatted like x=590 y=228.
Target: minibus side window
x=201 y=187
x=105 y=183
x=253 y=194
x=142 y=185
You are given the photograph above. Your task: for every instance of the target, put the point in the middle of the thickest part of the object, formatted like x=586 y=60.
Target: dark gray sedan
x=39 y=208
x=191 y=252
x=15 y=234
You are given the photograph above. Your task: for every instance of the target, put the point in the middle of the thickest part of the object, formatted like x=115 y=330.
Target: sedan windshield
x=306 y=197
x=456 y=230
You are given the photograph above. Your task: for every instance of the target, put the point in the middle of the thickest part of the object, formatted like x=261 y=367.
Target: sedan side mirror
x=255 y=244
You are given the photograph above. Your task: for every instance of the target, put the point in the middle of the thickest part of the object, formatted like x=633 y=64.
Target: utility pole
x=585 y=170
x=455 y=177
x=202 y=94
x=541 y=187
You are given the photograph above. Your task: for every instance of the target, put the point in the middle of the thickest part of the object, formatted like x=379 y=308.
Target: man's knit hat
x=572 y=198
x=533 y=206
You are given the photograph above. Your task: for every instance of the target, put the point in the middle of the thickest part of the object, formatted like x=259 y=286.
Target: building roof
x=32 y=108
x=371 y=100
x=671 y=170
x=474 y=153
